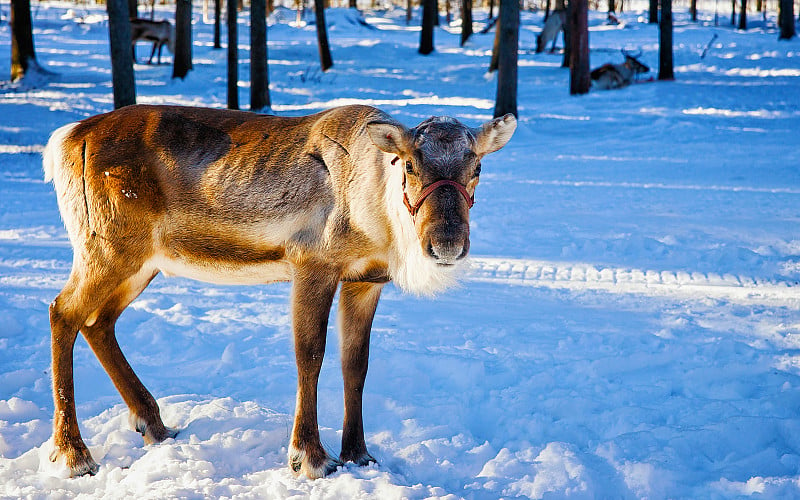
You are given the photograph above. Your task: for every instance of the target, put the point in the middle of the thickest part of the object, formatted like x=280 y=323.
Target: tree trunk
x=693 y=10
x=611 y=7
x=786 y=19
x=133 y=8
x=233 y=56
x=508 y=27
x=22 y=50
x=353 y=4
x=409 y=11
x=743 y=15
x=259 y=74
x=466 y=21
x=491 y=8
x=665 y=68
x=566 y=60
x=653 y=18
x=325 y=59
x=578 y=20
x=119 y=38
x=183 y=39
x=429 y=14
x=546 y=10
x=494 y=62
x=733 y=12
x=217 y=24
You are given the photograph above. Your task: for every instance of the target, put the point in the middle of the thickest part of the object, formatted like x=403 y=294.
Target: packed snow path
x=648 y=282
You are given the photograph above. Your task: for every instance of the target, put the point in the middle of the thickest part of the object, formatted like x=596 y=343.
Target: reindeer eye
x=409 y=167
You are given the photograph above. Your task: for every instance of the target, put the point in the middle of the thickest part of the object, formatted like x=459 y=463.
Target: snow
x=630 y=327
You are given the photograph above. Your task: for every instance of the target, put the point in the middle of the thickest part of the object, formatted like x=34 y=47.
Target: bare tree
x=578 y=19
x=743 y=15
x=325 y=59
x=653 y=14
x=508 y=26
x=182 y=62
x=217 y=24
x=693 y=9
x=23 y=54
x=786 y=19
x=665 y=67
x=466 y=21
x=233 y=56
x=430 y=11
x=494 y=62
x=119 y=38
x=259 y=76
x=566 y=60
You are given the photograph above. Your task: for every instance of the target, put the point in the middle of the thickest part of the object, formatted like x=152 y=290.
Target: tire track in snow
x=579 y=276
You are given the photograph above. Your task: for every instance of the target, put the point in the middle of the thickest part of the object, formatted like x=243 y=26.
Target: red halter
x=413 y=209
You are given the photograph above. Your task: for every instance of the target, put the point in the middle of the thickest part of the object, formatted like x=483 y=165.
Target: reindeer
x=159 y=32
x=614 y=76
x=553 y=25
x=348 y=196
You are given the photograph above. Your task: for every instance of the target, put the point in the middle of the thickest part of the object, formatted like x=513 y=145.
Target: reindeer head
x=632 y=62
x=441 y=162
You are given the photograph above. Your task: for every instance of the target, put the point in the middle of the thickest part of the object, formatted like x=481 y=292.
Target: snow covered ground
x=630 y=328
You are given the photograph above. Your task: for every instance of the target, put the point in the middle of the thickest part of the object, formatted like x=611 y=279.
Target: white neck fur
x=409 y=268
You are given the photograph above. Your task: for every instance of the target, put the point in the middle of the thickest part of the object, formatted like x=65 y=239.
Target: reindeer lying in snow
x=614 y=76
x=347 y=196
x=159 y=32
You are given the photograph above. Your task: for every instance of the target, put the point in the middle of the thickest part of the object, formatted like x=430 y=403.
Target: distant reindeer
x=614 y=76
x=161 y=33
x=346 y=196
x=552 y=27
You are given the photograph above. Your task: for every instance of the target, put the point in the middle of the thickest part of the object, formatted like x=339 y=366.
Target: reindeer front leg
x=357 y=304
x=312 y=296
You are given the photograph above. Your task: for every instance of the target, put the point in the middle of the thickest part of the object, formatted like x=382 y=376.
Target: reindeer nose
x=449 y=249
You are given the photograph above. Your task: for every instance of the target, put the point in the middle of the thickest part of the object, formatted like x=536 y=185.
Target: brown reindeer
x=344 y=196
x=161 y=33
x=616 y=76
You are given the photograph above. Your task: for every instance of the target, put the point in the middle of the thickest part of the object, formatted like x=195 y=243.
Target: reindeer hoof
x=301 y=464
x=78 y=460
x=361 y=460
x=157 y=437
x=154 y=432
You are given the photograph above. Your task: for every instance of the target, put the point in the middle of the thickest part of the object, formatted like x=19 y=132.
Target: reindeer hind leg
x=80 y=297
x=100 y=334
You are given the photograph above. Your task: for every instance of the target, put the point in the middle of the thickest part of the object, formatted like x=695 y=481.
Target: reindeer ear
x=388 y=137
x=495 y=134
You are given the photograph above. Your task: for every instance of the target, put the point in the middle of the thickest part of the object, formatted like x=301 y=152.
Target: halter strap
x=430 y=188
x=413 y=209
